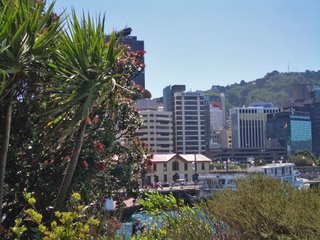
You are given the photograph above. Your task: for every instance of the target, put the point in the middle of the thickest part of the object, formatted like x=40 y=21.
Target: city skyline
x=207 y=43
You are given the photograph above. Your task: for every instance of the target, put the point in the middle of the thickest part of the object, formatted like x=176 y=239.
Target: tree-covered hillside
x=274 y=87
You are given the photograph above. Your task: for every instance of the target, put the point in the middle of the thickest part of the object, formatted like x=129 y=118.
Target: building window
x=165 y=178
x=186 y=177
x=186 y=166
x=164 y=167
x=154 y=167
x=202 y=166
x=175 y=166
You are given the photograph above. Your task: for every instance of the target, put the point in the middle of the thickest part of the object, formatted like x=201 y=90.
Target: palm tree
x=26 y=37
x=85 y=80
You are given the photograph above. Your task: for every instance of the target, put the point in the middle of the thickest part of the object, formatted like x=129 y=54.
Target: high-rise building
x=157 y=128
x=290 y=129
x=189 y=119
x=168 y=96
x=248 y=125
x=311 y=106
x=135 y=45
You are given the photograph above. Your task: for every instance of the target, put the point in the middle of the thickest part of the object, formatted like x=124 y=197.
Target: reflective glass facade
x=291 y=130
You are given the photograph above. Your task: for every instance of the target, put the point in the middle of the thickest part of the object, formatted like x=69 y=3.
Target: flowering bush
x=71 y=225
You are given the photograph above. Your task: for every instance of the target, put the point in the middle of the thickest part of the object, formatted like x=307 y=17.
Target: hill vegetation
x=274 y=87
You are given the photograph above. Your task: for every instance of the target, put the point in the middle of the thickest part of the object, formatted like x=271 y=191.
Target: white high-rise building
x=248 y=125
x=157 y=128
x=189 y=118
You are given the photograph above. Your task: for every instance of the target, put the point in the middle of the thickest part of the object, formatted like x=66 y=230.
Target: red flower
x=84 y=165
x=96 y=119
x=140 y=52
x=88 y=121
x=101 y=166
x=149 y=163
x=138 y=63
x=67 y=158
x=99 y=147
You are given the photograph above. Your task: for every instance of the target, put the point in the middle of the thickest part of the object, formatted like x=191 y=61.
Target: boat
x=283 y=171
x=210 y=183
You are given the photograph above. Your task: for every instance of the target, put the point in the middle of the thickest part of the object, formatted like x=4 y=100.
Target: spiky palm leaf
x=25 y=38
x=84 y=68
x=85 y=79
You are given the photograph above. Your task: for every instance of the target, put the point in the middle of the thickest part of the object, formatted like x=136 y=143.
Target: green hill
x=274 y=87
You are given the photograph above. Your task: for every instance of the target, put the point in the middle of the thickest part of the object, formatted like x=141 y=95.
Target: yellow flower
x=57 y=214
x=35 y=216
x=80 y=207
x=76 y=196
x=31 y=201
x=53 y=224
x=42 y=228
x=93 y=222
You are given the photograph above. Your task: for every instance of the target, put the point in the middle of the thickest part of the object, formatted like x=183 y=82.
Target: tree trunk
x=5 y=146
x=64 y=187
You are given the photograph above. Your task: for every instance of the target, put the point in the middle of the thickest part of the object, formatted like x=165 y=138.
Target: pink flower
x=96 y=119
x=99 y=147
x=88 y=121
x=115 y=158
x=66 y=158
x=84 y=165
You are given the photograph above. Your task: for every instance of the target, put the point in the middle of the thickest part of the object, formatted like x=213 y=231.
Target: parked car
x=165 y=184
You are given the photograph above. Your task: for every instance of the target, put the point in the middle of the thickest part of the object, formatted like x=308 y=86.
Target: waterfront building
x=157 y=128
x=248 y=125
x=171 y=167
x=291 y=130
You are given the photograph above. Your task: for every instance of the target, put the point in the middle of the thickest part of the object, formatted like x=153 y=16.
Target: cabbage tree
x=28 y=30
x=86 y=76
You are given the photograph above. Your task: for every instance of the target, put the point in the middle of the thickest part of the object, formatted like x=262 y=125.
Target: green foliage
x=71 y=225
x=155 y=203
x=274 y=87
x=302 y=158
x=37 y=162
x=218 y=166
x=265 y=208
x=178 y=221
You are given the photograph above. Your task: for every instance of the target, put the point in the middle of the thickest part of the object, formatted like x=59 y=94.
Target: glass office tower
x=290 y=129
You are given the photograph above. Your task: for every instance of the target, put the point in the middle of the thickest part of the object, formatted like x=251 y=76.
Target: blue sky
x=210 y=42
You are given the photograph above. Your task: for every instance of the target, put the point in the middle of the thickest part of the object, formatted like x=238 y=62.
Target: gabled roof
x=186 y=157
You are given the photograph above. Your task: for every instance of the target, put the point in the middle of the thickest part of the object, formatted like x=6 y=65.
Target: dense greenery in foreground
x=261 y=208
x=67 y=116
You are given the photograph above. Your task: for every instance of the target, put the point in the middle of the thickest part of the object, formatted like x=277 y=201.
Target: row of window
x=189 y=133
x=157 y=115
x=175 y=166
